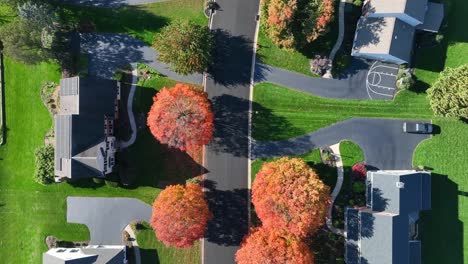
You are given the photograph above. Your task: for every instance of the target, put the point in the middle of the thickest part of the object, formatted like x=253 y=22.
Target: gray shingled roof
x=79 y=126
x=434 y=17
x=413 y=8
x=384 y=35
x=379 y=233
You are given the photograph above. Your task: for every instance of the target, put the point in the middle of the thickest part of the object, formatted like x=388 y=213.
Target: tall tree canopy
x=180 y=215
x=287 y=193
x=186 y=46
x=449 y=94
x=181 y=117
x=275 y=246
x=33 y=37
x=293 y=23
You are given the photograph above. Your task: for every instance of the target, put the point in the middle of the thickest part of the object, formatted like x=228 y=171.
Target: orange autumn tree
x=180 y=215
x=181 y=117
x=287 y=193
x=319 y=16
x=294 y=23
x=279 y=21
x=275 y=246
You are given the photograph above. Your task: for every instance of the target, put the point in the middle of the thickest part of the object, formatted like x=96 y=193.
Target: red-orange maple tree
x=181 y=117
x=274 y=246
x=287 y=193
x=180 y=215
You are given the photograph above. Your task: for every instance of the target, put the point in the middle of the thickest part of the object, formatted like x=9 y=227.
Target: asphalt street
x=383 y=142
x=106 y=218
x=226 y=157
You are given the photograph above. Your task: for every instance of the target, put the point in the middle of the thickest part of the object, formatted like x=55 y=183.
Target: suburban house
x=85 y=145
x=385 y=231
x=386 y=28
x=86 y=255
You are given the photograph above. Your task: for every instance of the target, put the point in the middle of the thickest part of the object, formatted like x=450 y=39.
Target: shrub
x=449 y=94
x=357 y=3
x=44 y=172
x=319 y=64
x=359 y=171
x=112 y=184
x=98 y=180
x=404 y=79
x=186 y=46
x=359 y=187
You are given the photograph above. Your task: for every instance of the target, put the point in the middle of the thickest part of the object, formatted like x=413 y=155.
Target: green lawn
x=153 y=251
x=281 y=113
x=29 y=211
x=454 y=50
x=139 y=21
x=444 y=229
x=297 y=60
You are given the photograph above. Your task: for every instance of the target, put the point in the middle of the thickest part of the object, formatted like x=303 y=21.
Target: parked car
x=419 y=128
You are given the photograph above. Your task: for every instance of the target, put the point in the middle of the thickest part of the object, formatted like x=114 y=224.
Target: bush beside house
x=44 y=172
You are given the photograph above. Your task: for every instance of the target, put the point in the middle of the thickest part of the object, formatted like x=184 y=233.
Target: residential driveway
x=108 y=52
x=106 y=218
x=383 y=141
x=365 y=80
x=111 y=3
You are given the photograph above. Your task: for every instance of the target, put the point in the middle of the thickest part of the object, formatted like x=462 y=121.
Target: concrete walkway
x=136 y=248
x=339 y=41
x=131 y=116
x=339 y=183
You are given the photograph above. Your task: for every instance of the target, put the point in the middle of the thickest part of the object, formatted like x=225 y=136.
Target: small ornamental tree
x=274 y=246
x=186 y=46
x=181 y=117
x=287 y=193
x=449 y=94
x=359 y=171
x=180 y=215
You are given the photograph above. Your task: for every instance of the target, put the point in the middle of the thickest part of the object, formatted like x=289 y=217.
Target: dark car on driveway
x=419 y=128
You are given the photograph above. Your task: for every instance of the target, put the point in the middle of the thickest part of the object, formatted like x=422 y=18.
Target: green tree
x=22 y=42
x=186 y=46
x=44 y=164
x=33 y=37
x=449 y=94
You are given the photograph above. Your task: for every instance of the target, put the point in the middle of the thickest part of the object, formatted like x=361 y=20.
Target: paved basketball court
x=381 y=80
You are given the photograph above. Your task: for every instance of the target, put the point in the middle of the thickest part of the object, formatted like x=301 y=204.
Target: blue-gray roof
x=380 y=232
x=79 y=125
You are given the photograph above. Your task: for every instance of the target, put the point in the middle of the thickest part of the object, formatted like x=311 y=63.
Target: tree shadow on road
x=230 y=210
x=231 y=125
x=232 y=59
